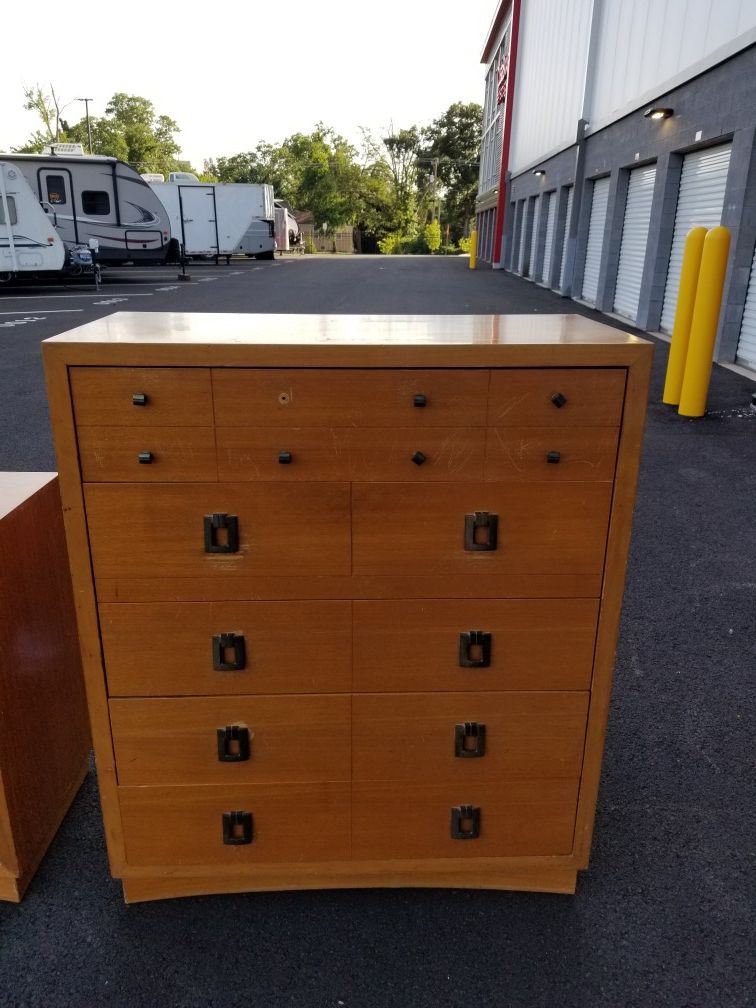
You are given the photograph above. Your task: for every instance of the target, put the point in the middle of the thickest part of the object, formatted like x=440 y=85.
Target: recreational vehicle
x=92 y=197
x=29 y=244
x=287 y=229
x=214 y=219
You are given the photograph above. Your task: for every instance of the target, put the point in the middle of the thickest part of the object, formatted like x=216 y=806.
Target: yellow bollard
x=703 y=328
x=686 y=298
x=473 y=249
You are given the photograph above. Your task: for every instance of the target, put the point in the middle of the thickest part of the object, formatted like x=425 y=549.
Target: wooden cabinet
x=44 y=734
x=348 y=591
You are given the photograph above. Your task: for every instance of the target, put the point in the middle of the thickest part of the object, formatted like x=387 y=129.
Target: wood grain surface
x=176 y=397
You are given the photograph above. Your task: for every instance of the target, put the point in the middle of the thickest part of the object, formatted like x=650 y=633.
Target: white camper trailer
x=287 y=229
x=102 y=198
x=28 y=241
x=212 y=219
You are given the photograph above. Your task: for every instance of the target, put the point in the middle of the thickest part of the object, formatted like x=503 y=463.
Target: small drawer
x=534 y=454
x=507 y=819
x=226 y=648
x=491 y=528
x=217 y=530
x=235 y=825
x=466 y=738
x=345 y=398
x=232 y=740
x=131 y=454
x=343 y=453
x=556 y=397
x=141 y=397
x=437 y=644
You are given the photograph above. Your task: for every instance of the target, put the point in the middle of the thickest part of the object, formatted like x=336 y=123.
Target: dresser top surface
x=366 y=330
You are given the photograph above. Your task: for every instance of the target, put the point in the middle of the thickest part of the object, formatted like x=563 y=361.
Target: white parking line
x=40 y=297
x=48 y=311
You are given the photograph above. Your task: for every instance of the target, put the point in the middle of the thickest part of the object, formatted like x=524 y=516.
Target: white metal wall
x=642 y=44
x=551 y=61
x=599 y=204
x=563 y=265
x=549 y=237
x=746 y=352
x=534 y=236
x=699 y=204
x=640 y=193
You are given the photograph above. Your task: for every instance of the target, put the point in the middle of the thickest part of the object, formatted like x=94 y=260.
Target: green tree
x=451 y=145
x=432 y=236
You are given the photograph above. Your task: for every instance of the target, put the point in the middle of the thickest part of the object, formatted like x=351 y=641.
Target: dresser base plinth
x=549 y=875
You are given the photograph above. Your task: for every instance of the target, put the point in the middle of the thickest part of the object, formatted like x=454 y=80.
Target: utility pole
x=89 y=128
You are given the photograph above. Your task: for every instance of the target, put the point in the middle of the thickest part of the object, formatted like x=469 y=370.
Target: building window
x=95 y=202
x=56 y=190
x=11 y=211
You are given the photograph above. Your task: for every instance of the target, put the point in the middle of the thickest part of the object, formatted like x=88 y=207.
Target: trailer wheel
x=266 y=255
x=5 y=278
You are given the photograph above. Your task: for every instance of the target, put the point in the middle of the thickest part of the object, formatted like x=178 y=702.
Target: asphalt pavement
x=665 y=915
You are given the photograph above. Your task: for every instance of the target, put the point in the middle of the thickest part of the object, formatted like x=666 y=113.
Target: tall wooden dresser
x=348 y=591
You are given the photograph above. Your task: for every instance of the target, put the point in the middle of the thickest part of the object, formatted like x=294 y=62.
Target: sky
x=238 y=73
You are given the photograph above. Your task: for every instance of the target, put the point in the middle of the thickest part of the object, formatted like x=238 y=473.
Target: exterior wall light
x=658 y=113
x=539 y=172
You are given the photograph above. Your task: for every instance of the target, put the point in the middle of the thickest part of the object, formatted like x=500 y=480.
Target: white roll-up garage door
x=746 y=352
x=543 y=273
x=523 y=236
x=595 y=239
x=534 y=235
x=563 y=265
x=640 y=193
x=699 y=204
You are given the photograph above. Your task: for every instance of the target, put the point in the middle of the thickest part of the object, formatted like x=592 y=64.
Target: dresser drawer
x=517 y=819
x=160 y=530
x=231 y=740
x=173 y=397
x=542 y=528
x=464 y=738
x=185 y=825
x=157 y=454
x=556 y=397
x=548 y=454
x=474 y=644
x=343 y=453
x=177 y=648
x=344 y=398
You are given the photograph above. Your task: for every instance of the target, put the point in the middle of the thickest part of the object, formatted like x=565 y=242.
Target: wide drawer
x=141 y=397
x=541 y=528
x=556 y=397
x=150 y=455
x=324 y=397
x=216 y=648
x=516 y=819
x=464 y=738
x=231 y=740
x=343 y=453
x=548 y=454
x=283 y=822
x=473 y=644
x=165 y=530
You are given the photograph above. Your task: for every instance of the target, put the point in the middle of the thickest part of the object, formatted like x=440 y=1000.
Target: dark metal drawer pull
x=470 y=639
x=284 y=458
x=237 y=828
x=213 y=524
x=418 y=458
x=419 y=400
x=559 y=400
x=145 y=458
x=233 y=744
x=139 y=399
x=553 y=457
x=223 y=642
x=470 y=731
x=481 y=520
x=465 y=822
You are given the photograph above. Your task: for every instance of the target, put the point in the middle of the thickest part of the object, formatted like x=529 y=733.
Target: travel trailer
x=92 y=197
x=214 y=219
x=29 y=244
x=287 y=230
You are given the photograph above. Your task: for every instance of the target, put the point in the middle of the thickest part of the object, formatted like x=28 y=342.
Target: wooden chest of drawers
x=348 y=591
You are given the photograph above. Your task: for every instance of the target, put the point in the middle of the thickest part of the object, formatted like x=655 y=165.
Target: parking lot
x=663 y=917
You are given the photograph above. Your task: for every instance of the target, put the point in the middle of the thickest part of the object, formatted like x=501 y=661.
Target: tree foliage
x=451 y=144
